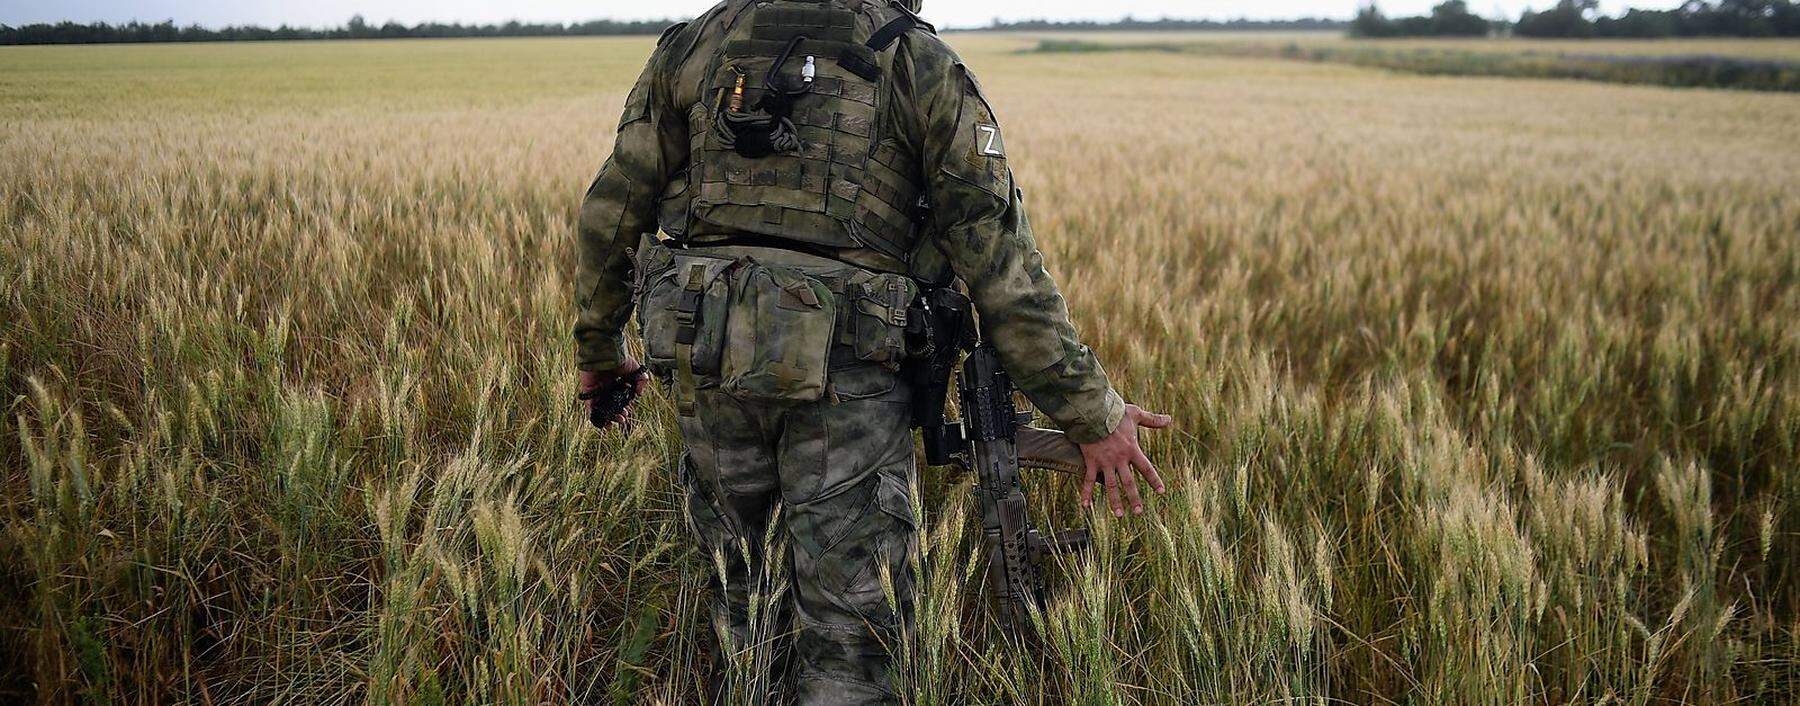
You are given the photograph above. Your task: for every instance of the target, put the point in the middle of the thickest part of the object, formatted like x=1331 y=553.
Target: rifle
x=994 y=439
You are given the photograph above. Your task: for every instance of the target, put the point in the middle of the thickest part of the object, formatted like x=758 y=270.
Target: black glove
x=613 y=398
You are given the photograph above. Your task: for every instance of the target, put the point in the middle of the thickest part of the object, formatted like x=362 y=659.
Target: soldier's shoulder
x=928 y=53
x=680 y=41
x=896 y=8
x=670 y=33
x=692 y=30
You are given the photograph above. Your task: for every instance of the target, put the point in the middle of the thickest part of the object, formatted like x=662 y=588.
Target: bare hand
x=592 y=382
x=1118 y=460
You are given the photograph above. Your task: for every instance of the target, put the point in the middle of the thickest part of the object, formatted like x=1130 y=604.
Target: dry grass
x=1489 y=389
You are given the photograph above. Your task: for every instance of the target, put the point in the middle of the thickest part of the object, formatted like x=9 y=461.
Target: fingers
x=1129 y=480
x=622 y=421
x=1148 y=469
x=1087 y=485
x=1131 y=490
x=1153 y=420
x=1112 y=492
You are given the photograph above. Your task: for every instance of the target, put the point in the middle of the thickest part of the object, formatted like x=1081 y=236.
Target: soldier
x=816 y=164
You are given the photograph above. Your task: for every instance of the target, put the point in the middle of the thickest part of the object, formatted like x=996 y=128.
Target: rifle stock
x=1050 y=450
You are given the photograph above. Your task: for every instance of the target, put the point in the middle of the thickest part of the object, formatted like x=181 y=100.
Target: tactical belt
x=765 y=241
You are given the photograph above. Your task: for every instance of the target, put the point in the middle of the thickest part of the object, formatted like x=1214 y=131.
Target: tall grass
x=1488 y=391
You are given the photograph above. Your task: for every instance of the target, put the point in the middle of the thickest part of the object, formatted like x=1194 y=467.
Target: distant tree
x=356 y=28
x=1453 y=19
x=1746 y=18
x=1167 y=24
x=1639 y=24
x=1786 y=19
x=1449 y=19
x=1694 y=18
x=1568 y=19
x=1370 y=22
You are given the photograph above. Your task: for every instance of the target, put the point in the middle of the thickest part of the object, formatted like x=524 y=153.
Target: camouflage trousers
x=816 y=497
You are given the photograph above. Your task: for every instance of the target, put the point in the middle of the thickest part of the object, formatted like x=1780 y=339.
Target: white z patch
x=991 y=146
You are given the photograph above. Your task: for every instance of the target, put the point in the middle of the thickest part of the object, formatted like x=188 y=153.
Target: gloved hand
x=608 y=396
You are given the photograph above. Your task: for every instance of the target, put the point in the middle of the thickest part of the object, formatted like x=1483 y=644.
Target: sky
x=945 y=13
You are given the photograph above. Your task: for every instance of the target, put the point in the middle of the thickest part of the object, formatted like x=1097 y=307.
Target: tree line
x=356 y=28
x=1582 y=19
x=1569 y=18
x=1303 y=24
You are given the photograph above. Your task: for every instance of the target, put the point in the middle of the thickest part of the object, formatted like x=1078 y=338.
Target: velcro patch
x=988 y=142
x=980 y=149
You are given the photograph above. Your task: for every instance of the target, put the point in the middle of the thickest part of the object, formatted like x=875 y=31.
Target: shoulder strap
x=904 y=22
x=917 y=20
x=891 y=31
x=879 y=42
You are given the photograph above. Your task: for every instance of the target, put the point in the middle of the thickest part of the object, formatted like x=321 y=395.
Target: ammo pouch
x=765 y=329
x=778 y=336
x=682 y=301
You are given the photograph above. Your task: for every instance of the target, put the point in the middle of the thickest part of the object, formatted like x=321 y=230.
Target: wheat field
x=1488 y=390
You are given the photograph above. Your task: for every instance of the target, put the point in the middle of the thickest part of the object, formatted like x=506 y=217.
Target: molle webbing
x=825 y=22
x=833 y=180
x=855 y=53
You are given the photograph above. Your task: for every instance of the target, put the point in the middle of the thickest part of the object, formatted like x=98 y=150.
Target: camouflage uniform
x=784 y=359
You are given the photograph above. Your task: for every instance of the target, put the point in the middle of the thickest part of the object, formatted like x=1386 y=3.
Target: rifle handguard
x=1064 y=542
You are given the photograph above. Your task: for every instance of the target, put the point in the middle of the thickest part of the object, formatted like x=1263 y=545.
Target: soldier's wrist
x=601 y=356
x=1091 y=429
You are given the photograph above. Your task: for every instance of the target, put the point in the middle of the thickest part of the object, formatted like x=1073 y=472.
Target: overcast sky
x=947 y=13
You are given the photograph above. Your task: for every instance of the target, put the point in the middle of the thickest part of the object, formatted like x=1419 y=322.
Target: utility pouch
x=778 y=335
x=683 y=305
x=655 y=305
x=878 y=316
x=709 y=329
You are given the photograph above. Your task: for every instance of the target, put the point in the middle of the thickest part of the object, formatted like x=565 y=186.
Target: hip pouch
x=684 y=301
x=778 y=334
x=875 y=326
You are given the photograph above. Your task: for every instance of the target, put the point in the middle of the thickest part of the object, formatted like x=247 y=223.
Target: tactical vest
x=786 y=141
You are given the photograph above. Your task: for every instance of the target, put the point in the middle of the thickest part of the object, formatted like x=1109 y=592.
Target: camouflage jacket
x=977 y=225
